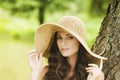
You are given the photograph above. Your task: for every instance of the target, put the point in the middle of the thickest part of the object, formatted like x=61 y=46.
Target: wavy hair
x=58 y=66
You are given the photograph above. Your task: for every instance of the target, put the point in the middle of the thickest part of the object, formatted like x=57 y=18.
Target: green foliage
x=23 y=7
x=16 y=27
x=98 y=7
x=26 y=8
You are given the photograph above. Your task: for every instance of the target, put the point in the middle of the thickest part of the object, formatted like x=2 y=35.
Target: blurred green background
x=20 y=18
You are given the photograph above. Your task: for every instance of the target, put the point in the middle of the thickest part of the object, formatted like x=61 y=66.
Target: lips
x=64 y=49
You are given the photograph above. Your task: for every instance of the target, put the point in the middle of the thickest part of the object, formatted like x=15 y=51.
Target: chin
x=66 y=55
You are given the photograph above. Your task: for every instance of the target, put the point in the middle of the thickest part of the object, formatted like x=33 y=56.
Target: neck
x=72 y=61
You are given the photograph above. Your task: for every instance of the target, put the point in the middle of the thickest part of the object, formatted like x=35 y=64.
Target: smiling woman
x=69 y=57
x=66 y=42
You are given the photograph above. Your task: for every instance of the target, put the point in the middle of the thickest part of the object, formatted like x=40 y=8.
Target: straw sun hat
x=45 y=32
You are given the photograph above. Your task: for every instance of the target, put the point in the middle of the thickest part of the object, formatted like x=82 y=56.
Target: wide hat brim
x=44 y=35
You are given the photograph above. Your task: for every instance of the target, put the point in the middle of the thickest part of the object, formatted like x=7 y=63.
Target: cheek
x=58 y=44
x=75 y=46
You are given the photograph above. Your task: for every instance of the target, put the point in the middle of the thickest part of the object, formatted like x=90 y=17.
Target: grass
x=13 y=60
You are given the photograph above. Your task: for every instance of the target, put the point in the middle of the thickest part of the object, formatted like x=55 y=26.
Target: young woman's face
x=67 y=44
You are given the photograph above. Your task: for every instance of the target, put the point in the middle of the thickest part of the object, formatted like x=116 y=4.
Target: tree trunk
x=41 y=14
x=42 y=8
x=108 y=41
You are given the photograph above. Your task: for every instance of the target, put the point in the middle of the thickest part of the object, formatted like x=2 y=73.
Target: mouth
x=64 y=49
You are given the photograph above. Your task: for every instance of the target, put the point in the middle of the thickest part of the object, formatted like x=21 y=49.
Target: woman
x=69 y=57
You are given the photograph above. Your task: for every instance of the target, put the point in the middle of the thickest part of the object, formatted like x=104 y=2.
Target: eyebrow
x=69 y=35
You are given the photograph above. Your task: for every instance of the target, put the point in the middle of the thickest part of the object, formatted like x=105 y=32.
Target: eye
x=58 y=37
x=70 y=37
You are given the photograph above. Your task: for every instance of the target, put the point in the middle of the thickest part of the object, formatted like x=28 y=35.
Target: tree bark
x=41 y=14
x=41 y=11
x=108 y=41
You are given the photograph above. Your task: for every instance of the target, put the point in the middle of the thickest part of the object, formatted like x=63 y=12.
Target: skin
x=68 y=45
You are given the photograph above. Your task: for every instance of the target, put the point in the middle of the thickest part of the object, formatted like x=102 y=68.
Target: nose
x=62 y=42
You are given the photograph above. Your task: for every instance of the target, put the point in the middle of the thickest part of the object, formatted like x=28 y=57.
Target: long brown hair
x=58 y=66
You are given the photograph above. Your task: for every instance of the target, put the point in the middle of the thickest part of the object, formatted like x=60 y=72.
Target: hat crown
x=74 y=25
